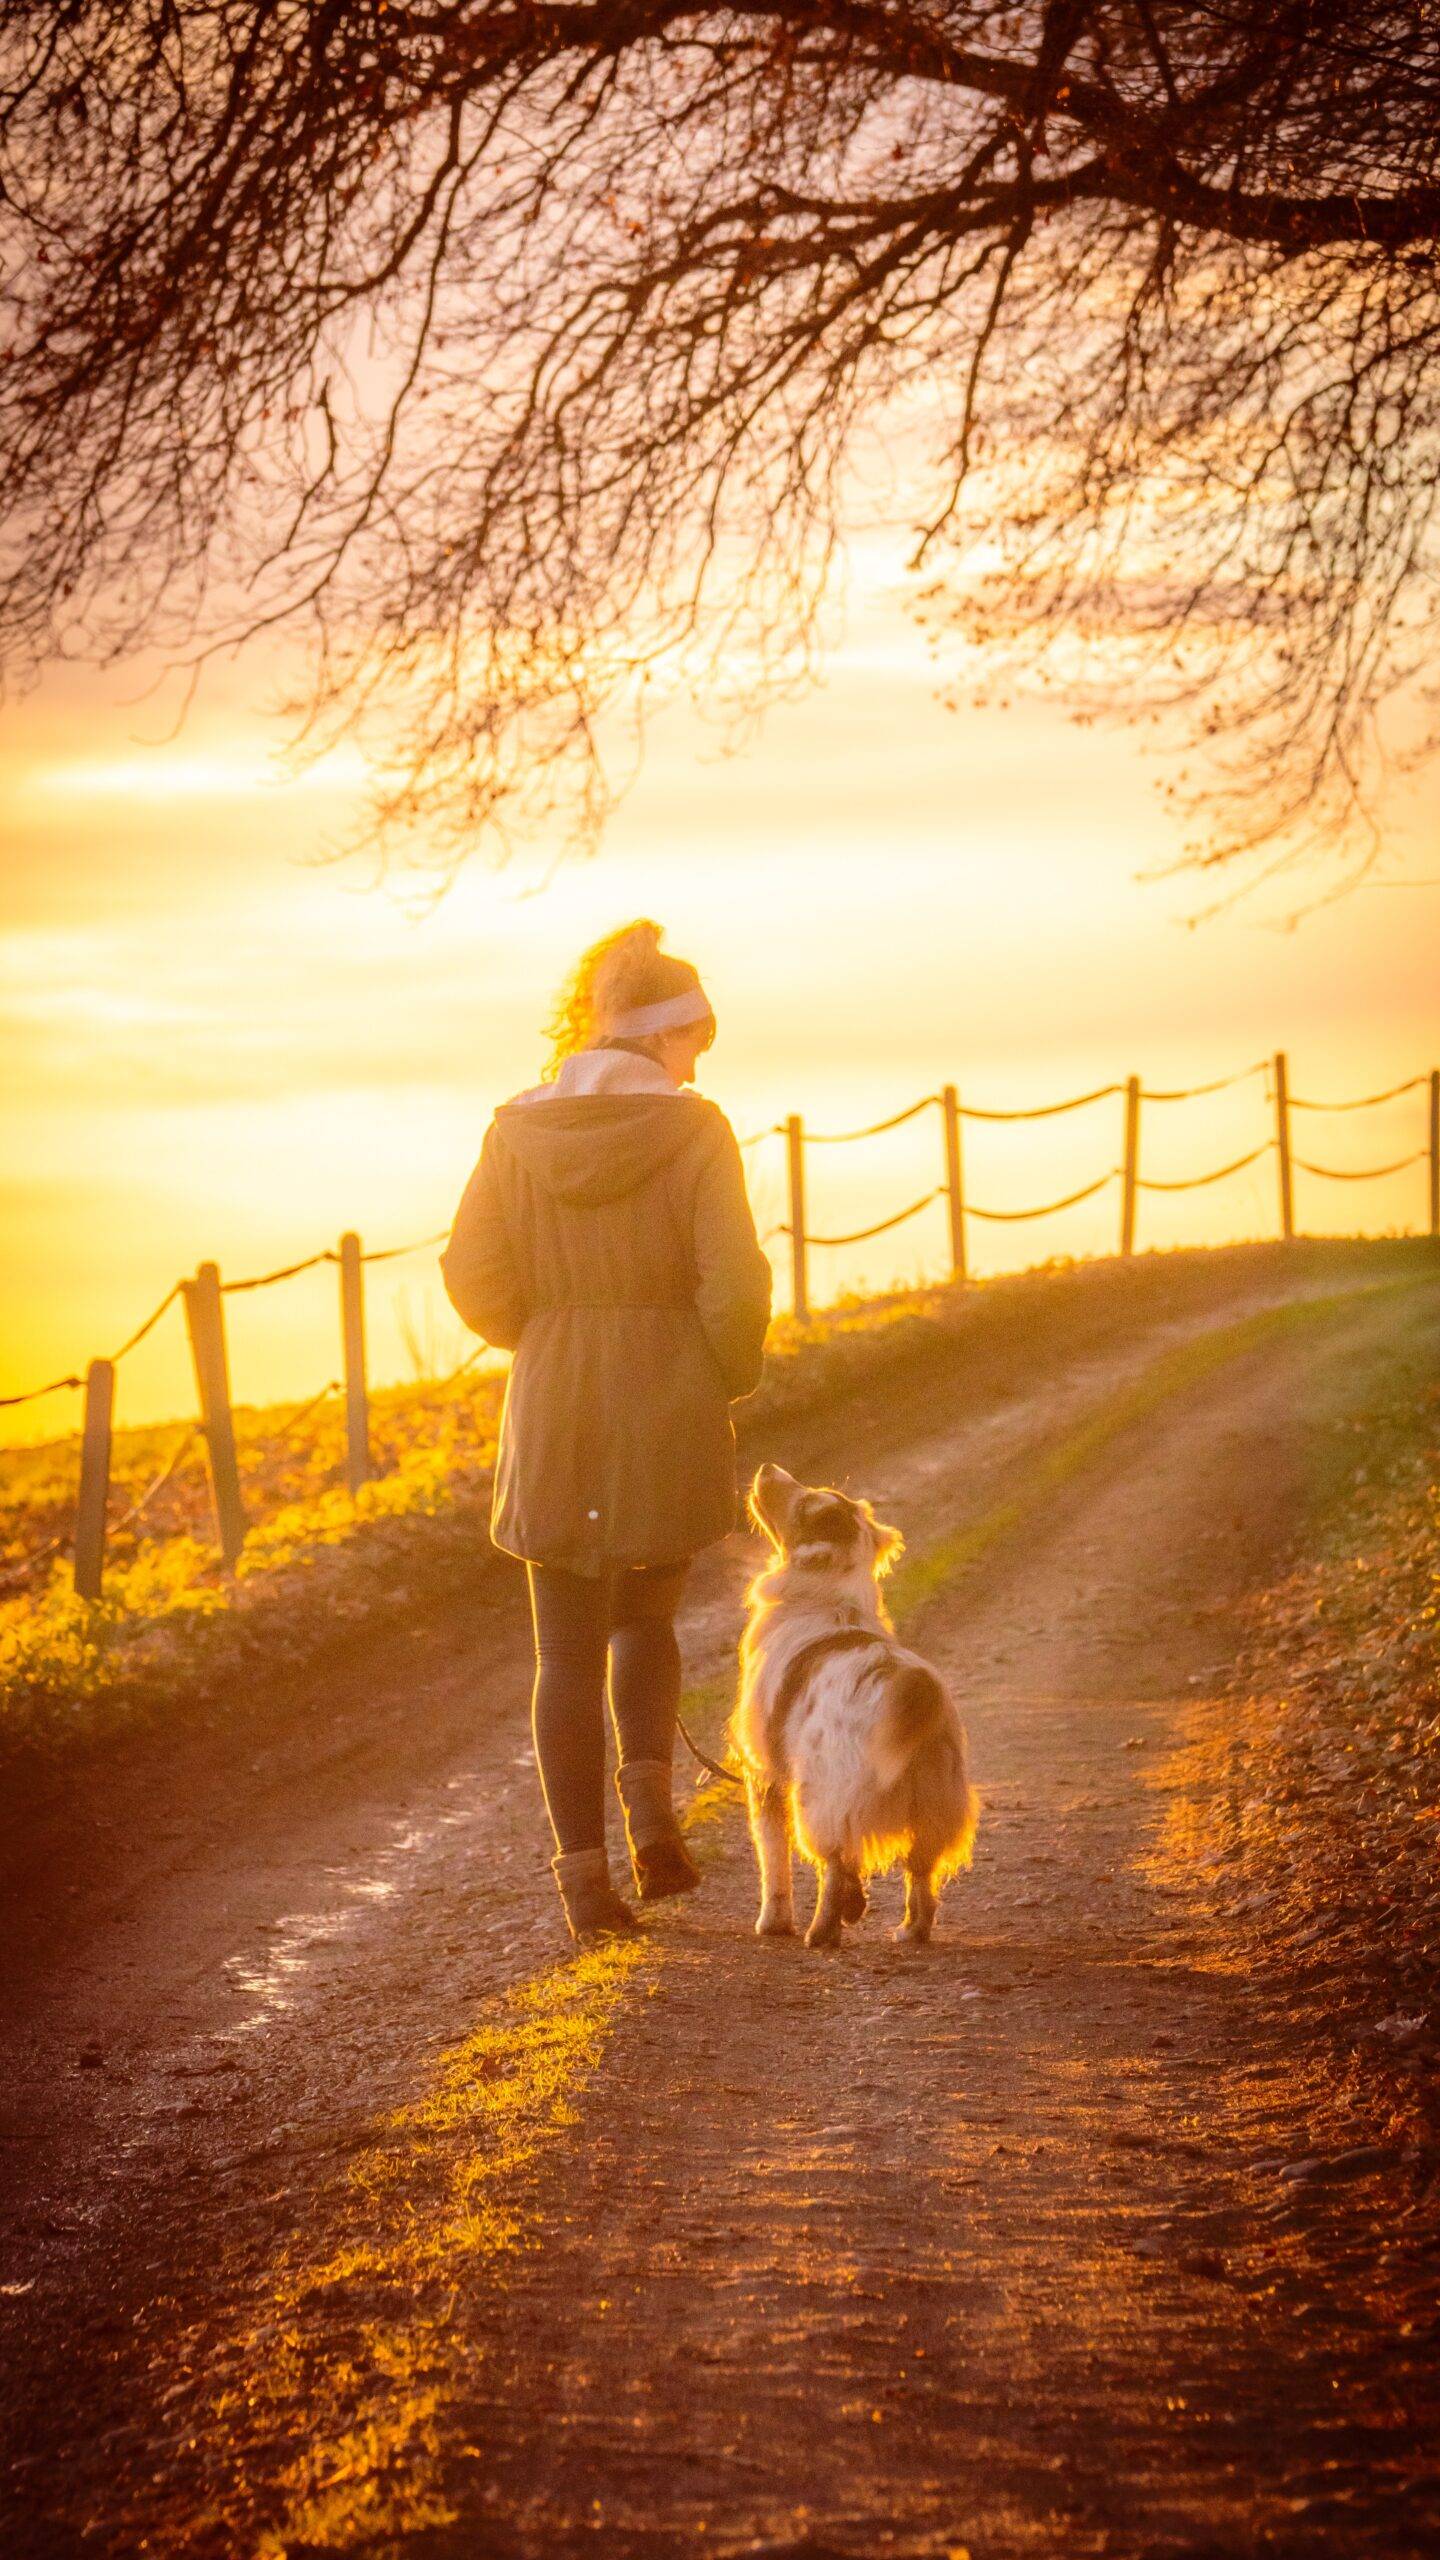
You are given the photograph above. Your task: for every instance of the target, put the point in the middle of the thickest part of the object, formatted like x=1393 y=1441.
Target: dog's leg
x=770 y=1831
x=855 y=1901
x=825 y=1928
x=920 y=1901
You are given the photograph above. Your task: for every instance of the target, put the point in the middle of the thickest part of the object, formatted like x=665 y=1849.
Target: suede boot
x=593 y=1908
x=662 y=1863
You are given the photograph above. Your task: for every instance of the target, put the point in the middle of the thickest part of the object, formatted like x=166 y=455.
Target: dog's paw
x=913 y=1933
x=823 y=1933
x=775 y=1924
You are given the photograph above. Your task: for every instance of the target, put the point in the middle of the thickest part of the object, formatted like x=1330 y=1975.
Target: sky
x=220 y=1042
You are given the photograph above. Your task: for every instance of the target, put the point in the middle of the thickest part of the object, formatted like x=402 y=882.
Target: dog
x=850 y=1743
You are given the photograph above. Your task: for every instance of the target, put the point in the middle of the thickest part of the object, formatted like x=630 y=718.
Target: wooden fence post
x=1282 y=1144
x=795 y=1150
x=94 y=1479
x=352 y=1331
x=1131 y=1180
x=1435 y=1151
x=205 y=1322
x=954 y=1185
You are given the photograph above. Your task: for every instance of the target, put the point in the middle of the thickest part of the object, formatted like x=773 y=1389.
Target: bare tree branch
x=520 y=352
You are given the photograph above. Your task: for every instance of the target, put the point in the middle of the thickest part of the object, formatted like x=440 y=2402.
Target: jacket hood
x=608 y=1122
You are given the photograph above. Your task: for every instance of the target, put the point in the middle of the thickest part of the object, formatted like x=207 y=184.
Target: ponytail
x=620 y=975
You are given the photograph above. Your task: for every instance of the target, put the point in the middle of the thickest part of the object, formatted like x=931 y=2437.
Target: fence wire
x=1072 y=1200
x=302 y=1413
x=396 y=1252
x=1360 y=1173
x=183 y=1445
x=141 y=1330
x=1197 y=1181
x=862 y=1235
x=1218 y=1084
x=1364 y=1101
x=876 y=1129
x=287 y=1271
x=1044 y=1110
x=32 y=1395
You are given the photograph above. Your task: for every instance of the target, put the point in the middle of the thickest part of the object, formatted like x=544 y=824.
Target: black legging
x=580 y=1619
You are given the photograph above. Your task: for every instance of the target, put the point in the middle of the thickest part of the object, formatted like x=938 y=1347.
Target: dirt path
x=990 y=2249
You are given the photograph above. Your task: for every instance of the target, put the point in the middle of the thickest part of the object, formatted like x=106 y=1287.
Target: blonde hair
x=627 y=969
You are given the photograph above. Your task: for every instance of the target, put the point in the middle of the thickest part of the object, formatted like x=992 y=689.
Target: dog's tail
x=916 y=1711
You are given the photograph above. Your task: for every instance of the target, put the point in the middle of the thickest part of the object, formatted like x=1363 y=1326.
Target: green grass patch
x=934 y=1568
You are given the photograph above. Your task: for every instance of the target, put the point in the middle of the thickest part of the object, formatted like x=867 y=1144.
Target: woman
x=606 y=1239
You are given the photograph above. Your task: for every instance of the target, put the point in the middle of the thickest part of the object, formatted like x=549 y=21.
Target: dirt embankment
x=342 y=2222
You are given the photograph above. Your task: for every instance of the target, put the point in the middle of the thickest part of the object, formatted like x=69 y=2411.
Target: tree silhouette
x=522 y=352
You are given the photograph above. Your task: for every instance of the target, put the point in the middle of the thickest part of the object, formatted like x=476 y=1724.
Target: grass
x=937 y=1566
x=317 y=1562
x=320 y=1568
x=1320 y=1825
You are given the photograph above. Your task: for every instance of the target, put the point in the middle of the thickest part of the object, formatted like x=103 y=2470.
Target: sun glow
x=230 y=1049
x=167 y=773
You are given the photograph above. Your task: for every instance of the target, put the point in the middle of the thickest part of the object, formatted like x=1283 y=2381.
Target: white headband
x=674 y=1014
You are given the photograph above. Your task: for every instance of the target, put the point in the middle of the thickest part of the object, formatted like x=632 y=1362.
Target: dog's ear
x=888 y=1543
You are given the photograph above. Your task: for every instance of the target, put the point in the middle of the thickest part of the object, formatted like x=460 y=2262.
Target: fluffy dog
x=851 y=1744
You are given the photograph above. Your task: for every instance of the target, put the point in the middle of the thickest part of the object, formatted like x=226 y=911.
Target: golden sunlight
x=239 y=1058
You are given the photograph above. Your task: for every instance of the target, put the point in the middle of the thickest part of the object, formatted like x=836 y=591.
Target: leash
x=717 y=1768
x=835 y=1640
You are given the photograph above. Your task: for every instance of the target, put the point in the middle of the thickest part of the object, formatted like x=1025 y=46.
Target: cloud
x=161 y=774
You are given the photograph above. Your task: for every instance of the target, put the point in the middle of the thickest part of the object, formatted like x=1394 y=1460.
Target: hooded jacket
x=605 y=1237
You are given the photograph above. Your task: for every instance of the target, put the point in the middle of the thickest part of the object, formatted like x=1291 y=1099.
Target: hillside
x=174 y=1625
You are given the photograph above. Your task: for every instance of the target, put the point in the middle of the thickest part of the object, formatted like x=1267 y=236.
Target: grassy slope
x=319 y=1566
x=1325 y=1838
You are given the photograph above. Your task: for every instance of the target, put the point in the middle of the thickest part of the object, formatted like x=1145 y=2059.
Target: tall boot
x=662 y=1863
x=593 y=1908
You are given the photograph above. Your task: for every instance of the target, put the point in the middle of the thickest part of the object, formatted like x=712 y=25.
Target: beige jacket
x=605 y=1238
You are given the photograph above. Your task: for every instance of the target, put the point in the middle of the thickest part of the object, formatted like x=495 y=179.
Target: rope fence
x=1217 y=1084
x=1047 y=1208
x=1363 y=1101
x=138 y=1508
x=1043 y=1110
x=397 y=1252
x=287 y=1271
x=203 y=1300
x=302 y=1413
x=882 y=1227
x=954 y=1113
x=876 y=1129
x=203 y=1297
x=1361 y=1172
x=1198 y=1181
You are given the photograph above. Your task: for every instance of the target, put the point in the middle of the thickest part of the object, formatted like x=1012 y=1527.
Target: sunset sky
x=218 y=1044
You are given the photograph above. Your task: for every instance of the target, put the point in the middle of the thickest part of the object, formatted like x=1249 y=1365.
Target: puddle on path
x=272 y=1973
